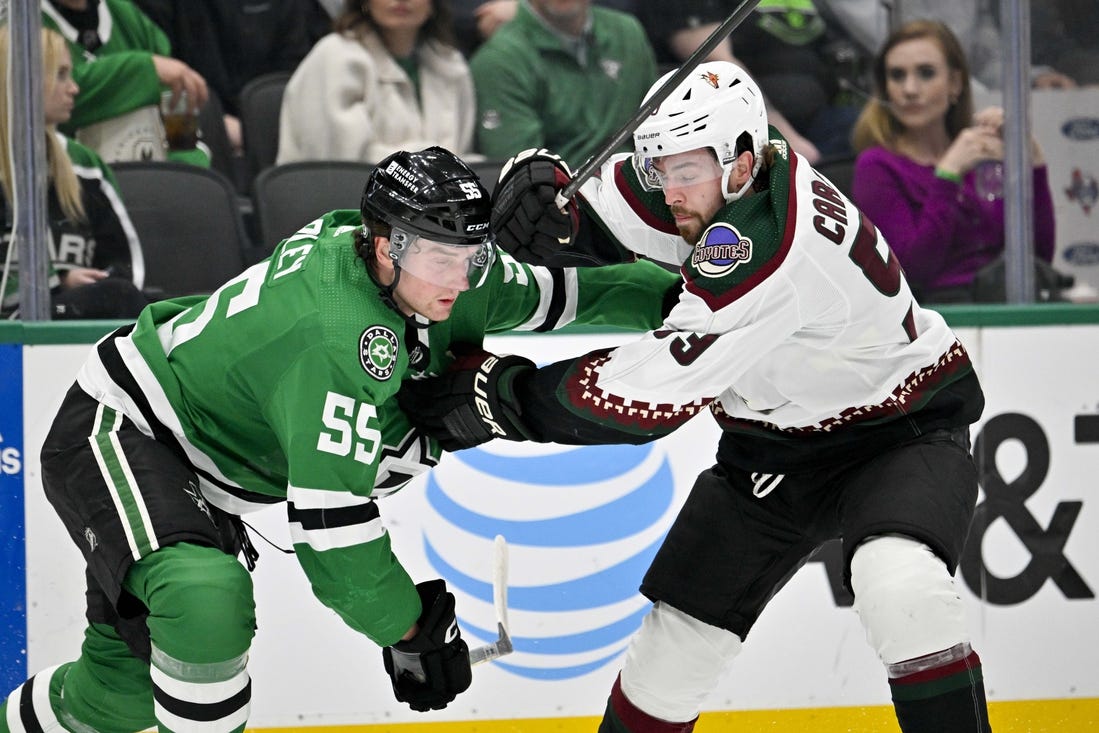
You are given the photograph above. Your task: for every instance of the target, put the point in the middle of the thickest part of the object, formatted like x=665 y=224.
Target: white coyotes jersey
x=795 y=317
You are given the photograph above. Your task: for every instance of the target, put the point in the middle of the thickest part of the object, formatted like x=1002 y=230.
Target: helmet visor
x=456 y=266
x=678 y=170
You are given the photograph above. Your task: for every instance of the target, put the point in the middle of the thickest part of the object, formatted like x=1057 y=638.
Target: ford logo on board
x=1081 y=128
x=1082 y=253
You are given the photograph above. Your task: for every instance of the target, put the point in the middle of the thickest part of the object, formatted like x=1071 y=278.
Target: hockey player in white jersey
x=845 y=406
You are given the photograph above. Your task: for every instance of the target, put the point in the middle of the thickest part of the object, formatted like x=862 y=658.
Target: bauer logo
x=581 y=524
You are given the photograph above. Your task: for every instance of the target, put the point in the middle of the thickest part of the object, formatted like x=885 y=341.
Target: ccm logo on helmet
x=481 y=399
x=477 y=227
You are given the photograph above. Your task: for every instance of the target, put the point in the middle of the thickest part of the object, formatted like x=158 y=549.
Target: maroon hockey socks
x=623 y=717
x=930 y=696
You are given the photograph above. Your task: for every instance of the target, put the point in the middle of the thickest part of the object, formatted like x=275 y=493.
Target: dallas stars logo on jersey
x=378 y=352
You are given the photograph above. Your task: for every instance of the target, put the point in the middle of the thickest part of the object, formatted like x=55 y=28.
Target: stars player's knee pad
x=674 y=662
x=201 y=623
x=200 y=602
x=905 y=598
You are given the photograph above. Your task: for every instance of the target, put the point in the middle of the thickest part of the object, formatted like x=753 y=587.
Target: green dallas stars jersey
x=280 y=385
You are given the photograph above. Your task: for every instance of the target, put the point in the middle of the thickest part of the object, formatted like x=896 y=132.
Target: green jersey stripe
x=120 y=481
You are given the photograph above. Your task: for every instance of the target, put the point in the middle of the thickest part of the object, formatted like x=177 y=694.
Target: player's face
x=692 y=189
x=60 y=96
x=432 y=276
x=919 y=83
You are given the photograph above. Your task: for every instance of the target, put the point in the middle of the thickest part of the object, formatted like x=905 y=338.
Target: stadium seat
x=287 y=197
x=190 y=226
x=260 y=107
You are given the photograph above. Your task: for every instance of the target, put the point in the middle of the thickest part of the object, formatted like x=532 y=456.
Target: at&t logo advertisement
x=13 y=621
x=582 y=525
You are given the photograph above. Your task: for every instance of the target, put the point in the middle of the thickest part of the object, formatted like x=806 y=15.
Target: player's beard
x=692 y=228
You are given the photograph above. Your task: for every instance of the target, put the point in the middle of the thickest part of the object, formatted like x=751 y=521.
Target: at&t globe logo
x=582 y=525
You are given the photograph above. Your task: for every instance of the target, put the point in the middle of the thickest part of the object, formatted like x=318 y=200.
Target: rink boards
x=581 y=525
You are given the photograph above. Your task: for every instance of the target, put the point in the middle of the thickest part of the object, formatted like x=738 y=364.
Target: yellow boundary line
x=1074 y=715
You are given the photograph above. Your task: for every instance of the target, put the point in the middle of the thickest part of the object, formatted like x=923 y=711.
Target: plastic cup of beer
x=180 y=121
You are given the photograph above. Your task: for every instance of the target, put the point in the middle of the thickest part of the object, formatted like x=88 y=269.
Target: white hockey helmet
x=716 y=104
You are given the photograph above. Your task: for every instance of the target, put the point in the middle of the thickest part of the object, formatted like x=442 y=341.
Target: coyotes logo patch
x=721 y=250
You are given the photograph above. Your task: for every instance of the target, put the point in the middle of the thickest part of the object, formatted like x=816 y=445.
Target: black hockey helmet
x=430 y=193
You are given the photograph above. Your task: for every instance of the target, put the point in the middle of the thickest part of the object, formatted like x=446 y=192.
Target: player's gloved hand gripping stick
x=534 y=217
x=429 y=670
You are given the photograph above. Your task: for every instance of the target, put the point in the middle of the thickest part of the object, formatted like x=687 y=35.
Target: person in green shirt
x=122 y=61
x=279 y=387
x=559 y=75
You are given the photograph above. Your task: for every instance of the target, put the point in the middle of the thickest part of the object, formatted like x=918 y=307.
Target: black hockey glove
x=469 y=404
x=525 y=218
x=432 y=668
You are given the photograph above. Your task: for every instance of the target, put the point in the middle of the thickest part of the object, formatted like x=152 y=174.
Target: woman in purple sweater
x=916 y=173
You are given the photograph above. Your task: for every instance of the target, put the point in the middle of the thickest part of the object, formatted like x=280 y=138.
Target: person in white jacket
x=387 y=78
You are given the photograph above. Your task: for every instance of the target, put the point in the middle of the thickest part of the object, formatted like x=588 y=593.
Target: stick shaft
x=500 y=580
x=600 y=157
x=502 y=645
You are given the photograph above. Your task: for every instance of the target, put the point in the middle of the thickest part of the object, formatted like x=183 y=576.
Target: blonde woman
x=387 y=78
x=96 y=268
x=916 y=176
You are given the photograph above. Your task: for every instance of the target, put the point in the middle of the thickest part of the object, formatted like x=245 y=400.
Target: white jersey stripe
x=225 y=501
x=546 y=291
x=337 y=537
x=204 y=693
x=322 y=499
x=40 y=701
x=40 y=704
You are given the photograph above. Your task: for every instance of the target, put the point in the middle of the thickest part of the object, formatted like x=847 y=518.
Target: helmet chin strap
x=727 y=173
x=419 y=354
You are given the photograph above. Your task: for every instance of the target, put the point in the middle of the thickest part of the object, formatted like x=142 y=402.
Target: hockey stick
x=502 y=645
x=600 y=157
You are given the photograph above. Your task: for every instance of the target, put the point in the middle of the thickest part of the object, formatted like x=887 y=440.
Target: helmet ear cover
x=714 y=107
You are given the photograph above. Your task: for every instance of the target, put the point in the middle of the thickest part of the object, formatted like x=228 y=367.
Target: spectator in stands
x=387 y=78
x=231 y=43
x=1063 y=37
x=562 y=75
x=121 y=61
x=798 y=59
x=476 y=20
x=95 y=258
x=916 y=176
x=977 y=25
x=797 y=56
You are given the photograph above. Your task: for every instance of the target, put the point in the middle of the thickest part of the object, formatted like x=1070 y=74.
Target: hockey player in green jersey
x=279 y=387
